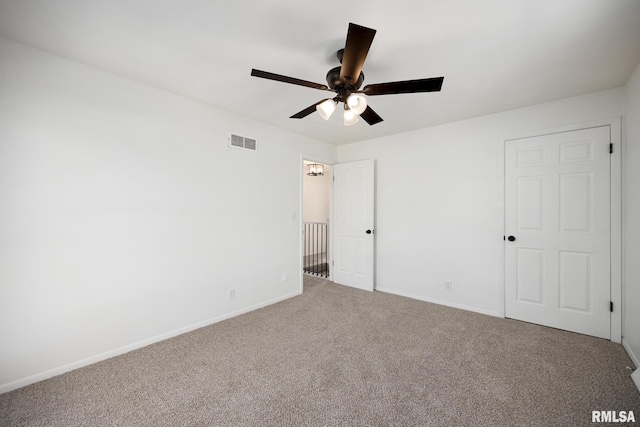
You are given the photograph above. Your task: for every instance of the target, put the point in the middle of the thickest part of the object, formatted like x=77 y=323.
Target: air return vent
x=243 y=142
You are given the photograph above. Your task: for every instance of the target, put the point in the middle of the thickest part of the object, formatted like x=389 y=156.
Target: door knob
x=511 y=238
x=369 y=231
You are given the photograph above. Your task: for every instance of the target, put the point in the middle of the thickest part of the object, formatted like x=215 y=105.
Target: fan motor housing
x=334 y=82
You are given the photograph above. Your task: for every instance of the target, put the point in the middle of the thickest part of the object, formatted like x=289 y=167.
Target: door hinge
x=611 y=306
x=611 y=148
x=332 y=262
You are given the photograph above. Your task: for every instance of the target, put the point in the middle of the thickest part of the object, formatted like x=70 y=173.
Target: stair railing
x=316 y=238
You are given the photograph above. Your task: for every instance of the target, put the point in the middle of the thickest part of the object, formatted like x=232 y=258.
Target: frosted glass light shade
x=357 y=103
x=350 y=118
x=326 y=108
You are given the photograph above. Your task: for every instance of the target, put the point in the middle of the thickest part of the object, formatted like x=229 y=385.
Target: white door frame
x=614 y=124
x=328 y=162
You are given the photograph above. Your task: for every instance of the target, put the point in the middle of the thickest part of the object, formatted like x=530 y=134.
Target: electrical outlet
x=448 y=285
x=231 y=294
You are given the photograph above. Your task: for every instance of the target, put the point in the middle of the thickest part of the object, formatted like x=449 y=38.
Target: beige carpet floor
x=337 y=356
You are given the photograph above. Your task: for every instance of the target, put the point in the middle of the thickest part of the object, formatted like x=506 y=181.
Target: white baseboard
x=636 y=378
x=634 y=358
x=440 y=302
x=632 y=355
x=127 y=348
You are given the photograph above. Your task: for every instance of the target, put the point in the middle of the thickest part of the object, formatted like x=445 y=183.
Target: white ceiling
x=495 y=55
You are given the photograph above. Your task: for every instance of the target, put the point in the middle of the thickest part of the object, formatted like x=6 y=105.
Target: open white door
x=558 y=225
x=353 y=221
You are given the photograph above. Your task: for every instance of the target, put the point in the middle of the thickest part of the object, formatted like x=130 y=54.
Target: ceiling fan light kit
x=326 y=108
x=347 y=79
x=350 y=117
x=357 y=103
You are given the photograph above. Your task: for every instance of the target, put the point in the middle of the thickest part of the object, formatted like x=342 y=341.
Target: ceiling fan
x=346 y=80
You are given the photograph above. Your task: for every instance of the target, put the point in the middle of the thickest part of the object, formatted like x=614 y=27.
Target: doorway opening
x=316 y=217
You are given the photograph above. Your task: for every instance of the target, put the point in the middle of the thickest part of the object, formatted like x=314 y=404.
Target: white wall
x=631 y=221
x=125 y=217
x=437 y=193
x=316 y=196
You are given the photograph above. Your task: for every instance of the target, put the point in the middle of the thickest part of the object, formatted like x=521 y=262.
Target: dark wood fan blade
x=408 y=86
x=304 y=113
x=370 y=116
x=285 y=79
x=357 y=46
